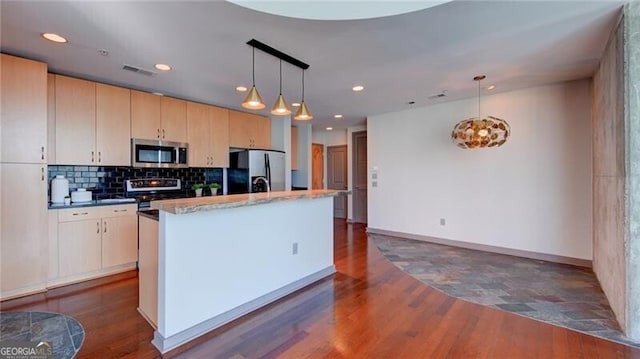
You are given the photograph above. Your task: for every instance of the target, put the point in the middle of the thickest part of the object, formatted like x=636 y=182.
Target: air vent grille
x=139 y=70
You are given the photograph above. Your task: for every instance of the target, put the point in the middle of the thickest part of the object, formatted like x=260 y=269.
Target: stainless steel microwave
x=156 y=153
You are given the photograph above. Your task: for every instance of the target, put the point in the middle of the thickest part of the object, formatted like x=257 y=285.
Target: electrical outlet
x=374 y=184
x=374 y=176
x=443 y=221
x=294 y=248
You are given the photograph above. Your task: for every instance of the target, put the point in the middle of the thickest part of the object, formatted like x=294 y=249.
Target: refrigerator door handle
x=267 y=167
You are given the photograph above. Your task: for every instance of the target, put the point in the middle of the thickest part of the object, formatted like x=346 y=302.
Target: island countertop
x=209 y=203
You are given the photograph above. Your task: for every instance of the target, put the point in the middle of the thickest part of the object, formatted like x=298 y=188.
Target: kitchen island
x=221 y=257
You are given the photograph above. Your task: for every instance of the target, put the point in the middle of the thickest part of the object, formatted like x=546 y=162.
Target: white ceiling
x=398 y=58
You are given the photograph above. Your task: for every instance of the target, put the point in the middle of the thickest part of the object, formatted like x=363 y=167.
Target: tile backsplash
x=107 y=181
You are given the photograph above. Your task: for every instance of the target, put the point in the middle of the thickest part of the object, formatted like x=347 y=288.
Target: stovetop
x=146 y=190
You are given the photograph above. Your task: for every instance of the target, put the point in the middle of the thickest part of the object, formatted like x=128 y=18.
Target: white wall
x=532 y=194
x=302 y=176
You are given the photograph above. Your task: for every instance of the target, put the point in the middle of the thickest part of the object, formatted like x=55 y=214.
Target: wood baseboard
x=486 y=248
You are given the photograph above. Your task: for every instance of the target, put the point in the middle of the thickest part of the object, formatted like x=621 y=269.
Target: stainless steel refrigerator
x=246 y=166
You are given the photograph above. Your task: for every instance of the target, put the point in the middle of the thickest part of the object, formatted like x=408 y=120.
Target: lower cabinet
x=148 y=270
x=95 y=241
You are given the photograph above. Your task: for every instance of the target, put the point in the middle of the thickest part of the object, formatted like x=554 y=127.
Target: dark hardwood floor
x=369 y=309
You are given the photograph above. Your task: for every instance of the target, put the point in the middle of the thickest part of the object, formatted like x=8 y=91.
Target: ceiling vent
x=440 y=95
x=139 y=70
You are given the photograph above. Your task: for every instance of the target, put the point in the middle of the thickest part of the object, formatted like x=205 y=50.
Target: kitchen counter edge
x=210 y=203
x=94 y=203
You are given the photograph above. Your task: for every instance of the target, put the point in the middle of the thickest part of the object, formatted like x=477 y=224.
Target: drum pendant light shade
x=303 y=113
x=280 y=107
x=253 y=101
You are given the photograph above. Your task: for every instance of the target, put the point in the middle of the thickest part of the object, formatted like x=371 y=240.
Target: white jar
x=59 y=189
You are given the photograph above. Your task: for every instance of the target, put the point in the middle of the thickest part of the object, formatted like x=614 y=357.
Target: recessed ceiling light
x=54 y=37
x=337 y=116
x=491 y=87
x=357 y=88
x=329 y=128
x=295 y=104
x=163 y=67
x=241 y=89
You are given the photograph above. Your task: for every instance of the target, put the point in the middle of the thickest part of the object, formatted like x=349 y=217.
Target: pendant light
x=253 y=101
x=303 y=113
x=478 y=132
x=280 y=107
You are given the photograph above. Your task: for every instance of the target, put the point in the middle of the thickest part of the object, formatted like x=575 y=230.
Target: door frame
x=354 y=174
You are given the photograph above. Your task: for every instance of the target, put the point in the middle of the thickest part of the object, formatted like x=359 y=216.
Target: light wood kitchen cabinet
x=294 y=148
x=51 y=118
x=247 y=130
x=208 y=135
x=158 y=117
x=95 y=241
x=23 y=106
x=93 y=123
x=23 y=229
x=148 y=269
x=113 y=125
x=75 y=121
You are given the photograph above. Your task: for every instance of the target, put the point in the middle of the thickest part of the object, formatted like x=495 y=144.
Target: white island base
x=217 y=263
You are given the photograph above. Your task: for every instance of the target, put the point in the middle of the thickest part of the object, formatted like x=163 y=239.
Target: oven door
x=150 y=153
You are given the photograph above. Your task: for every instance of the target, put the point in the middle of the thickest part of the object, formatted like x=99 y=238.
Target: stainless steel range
x=146 y=190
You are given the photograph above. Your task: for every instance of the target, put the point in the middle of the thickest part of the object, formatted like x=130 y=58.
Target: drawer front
x=79 y=214
x=119 y=210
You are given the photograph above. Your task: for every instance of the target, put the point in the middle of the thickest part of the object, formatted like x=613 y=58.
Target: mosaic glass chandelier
x=479 y=132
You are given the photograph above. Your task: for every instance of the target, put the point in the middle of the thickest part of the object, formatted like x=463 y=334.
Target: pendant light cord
x=253 y=65
x=280 y=76
x=479 y=117
x=302 y=85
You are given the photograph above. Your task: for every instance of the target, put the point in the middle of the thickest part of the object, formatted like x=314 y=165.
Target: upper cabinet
x=92 y=123
x=294 y=148
x=23 y=116
x=208 y=135
x=247 y=130
x=158 y=117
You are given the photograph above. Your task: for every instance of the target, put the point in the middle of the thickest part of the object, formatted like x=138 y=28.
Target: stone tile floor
x=559 y=294
x=65 y=333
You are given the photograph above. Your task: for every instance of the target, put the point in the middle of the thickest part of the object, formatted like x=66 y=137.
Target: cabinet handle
x=42 y=148
x=105 y=226
x=119 y=210
x=42 y=169
x=163 y=133
x=99 y=156
x=98 y=224
x=92 y=156
x=81 y=214
x=158 y=135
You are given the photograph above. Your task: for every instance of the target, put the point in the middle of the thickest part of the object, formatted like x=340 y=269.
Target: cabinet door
x=113 y=125
x=119 y=240
x=219 y=144
x=174 y=119
x=148 y=269
x=23 y=228
x=75 y=121
x=51 y=118
x=145 y=115
x=79 y=247
x=262 y=134
x=23 y=114
x=294 y=148
x=241 y=128
x=198 y=135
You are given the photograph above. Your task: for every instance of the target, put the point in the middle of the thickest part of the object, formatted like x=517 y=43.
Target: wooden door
x=337 y=177
x=198 y=135
x=75 y=121
x=23 y=110
x=113 y=125
x=173 y=114
x=219 y=143
x=23 y=228
x=294 y=148
x=145 y=115
x=317 y=166
x=262 y=134
x=241 y=128
x=79 y=247
x=360 y=177
x=119 y=240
